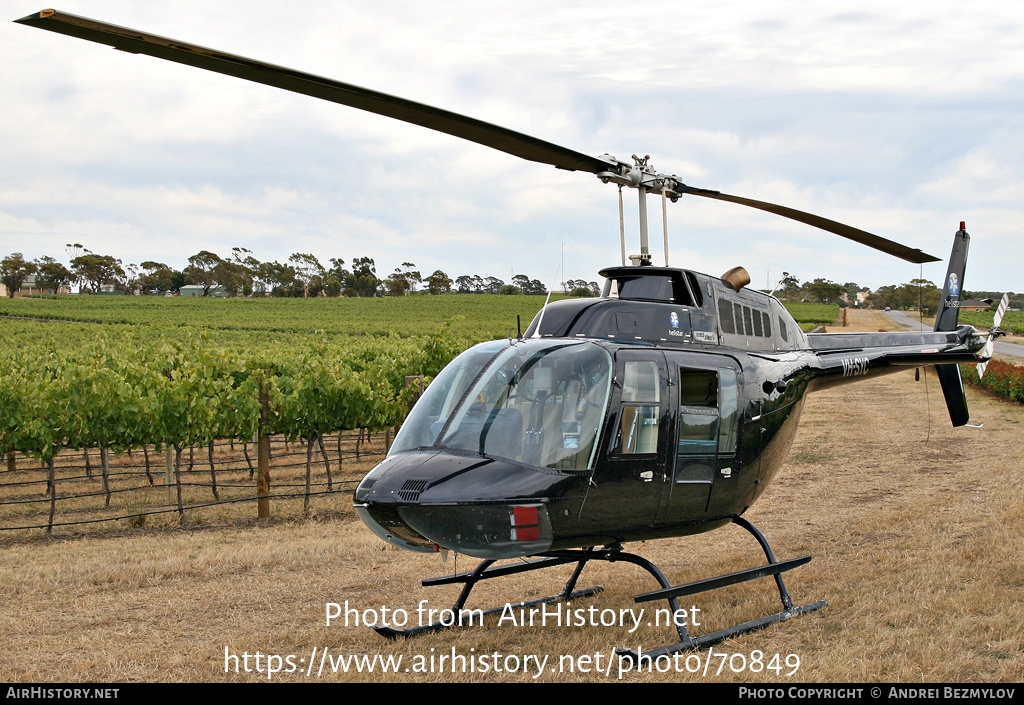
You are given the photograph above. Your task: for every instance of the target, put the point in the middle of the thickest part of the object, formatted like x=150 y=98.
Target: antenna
x=540 y=321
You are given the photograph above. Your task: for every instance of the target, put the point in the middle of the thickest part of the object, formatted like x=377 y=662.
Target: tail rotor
x=993 y=333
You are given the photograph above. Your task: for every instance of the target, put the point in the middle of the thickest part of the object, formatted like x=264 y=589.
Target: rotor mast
x=641 y=176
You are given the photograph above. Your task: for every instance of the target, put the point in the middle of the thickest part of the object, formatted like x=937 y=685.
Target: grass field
x=484 y=316
x=914 y=527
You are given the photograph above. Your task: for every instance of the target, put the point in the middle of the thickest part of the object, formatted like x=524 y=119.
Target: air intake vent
x=411 y=489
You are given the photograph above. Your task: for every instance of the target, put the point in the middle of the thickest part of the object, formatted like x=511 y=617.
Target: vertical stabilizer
x=946 y=320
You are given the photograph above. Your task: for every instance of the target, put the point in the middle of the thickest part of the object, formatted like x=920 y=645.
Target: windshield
x=539 y=402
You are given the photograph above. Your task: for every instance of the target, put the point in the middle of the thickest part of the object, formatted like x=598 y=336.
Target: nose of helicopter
x=495 y=509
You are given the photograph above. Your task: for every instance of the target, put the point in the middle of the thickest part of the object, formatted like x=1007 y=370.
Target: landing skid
x=686 y=642
x=486 y=570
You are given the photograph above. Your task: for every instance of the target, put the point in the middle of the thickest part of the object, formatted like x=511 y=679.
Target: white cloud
x=897 y=119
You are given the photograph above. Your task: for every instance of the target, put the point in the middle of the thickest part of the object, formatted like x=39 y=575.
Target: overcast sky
x=900 y=120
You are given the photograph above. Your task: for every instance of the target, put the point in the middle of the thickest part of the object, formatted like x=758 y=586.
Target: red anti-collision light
x=526 y=526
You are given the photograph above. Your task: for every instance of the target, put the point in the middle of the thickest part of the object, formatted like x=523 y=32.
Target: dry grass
x=915 y=529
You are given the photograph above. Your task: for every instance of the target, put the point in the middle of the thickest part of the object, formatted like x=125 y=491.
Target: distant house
x=975 y=304
x=196 y=290
x=30 y=287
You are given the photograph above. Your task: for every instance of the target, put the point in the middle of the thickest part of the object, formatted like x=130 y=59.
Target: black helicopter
x=662 y=408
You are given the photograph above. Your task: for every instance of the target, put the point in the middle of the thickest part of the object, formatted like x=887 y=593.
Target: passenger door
x=706 y=429
x=629 y=478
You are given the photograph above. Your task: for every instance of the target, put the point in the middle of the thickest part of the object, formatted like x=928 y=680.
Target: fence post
x=168 y=471
x=105 y=461
x=263 y=458
x=213 y=473
x=52 y=482
x=327 y=462
x=309 y=472
x=177 y=482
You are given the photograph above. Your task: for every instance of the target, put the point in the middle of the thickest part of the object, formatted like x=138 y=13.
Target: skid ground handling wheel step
x=487 y=570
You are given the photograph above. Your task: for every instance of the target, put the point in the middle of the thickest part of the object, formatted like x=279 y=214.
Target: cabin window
x=729 y=410
x=698 y=298
x=782 y=330
x=767 y=324
x=698 y=388
x=648 y=286
x=708 y=414
x=640 y=381
x=641 y=408
x=725 y=317
x=698 y=439
x=638 y=429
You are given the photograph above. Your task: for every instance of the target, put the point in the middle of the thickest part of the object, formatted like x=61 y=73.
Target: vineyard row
x=134 y=391
x=120 y=489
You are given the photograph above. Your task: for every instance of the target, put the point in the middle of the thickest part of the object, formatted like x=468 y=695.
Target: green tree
x=439 y=283
x=96 y=270
x=465 y=284
x=248 y=269
x=521 y=282
x=52 y=274
x=824 y=290
x=202 y=270
x=280 y=278
x=363 y=281
x=336 y=277
x=308 y=271
x=922 y=294
x=14 y=270
x=157 y=277
x=403 y=280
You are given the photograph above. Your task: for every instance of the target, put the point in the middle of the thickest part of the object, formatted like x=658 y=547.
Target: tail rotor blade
x=994 y=332
x=1001 y=311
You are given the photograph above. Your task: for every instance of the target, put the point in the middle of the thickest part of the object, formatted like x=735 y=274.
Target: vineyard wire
x=124 y=467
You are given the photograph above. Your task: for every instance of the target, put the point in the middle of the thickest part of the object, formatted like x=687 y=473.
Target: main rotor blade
x=848 y=231
x=500 y=138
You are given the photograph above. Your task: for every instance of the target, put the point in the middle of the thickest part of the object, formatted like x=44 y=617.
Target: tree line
x=916 y=294
x=303 y=275
x=241 y=274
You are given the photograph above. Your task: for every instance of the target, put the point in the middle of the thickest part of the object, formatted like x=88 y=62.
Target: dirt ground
x=915 y=528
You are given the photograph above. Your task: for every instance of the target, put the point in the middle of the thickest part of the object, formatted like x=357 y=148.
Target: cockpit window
x=538 y=402
x=439 y=401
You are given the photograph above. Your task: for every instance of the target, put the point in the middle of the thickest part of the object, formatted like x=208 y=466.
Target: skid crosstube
x=671 y=593
x=486 y=570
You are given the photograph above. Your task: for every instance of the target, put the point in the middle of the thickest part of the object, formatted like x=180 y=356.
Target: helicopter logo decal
x=954 y=286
